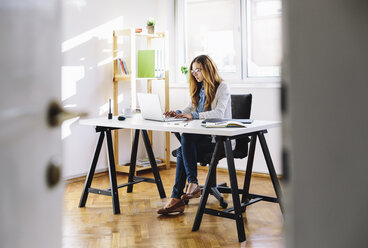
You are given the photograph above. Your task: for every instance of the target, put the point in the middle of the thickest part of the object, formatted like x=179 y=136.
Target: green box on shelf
x=146 y=63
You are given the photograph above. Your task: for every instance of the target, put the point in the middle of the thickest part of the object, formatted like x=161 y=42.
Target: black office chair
x=241 y=108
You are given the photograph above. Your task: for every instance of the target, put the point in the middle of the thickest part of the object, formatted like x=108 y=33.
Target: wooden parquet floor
x=138 y=225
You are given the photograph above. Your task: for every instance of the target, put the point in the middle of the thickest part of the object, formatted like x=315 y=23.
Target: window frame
x=181 y=41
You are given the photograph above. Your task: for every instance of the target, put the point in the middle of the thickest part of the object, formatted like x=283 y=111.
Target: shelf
x=126 y=32
x=125 y=168
x=128 y=78
x=157 y=35
x=121 y=78
x=150 y=78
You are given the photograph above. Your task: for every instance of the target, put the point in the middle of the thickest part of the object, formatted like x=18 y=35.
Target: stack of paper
x=224 y=124
x=144 y=162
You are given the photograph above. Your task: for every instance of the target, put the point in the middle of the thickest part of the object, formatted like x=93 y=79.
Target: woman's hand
x=184 y=115
x=170 y=113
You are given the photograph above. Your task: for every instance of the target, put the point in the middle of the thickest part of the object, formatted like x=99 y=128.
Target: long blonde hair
x=211 y=81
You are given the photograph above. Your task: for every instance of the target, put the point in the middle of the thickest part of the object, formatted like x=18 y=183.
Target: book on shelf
x=123 y=67
x=150 y=64
x=144 y=162
x=224 y=124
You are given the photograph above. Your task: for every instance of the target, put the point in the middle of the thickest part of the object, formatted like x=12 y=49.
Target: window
x=243 y=37
x=263 y=38
x=211 y=30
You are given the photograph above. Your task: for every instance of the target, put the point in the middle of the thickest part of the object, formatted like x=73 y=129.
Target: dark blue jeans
x=187 y=157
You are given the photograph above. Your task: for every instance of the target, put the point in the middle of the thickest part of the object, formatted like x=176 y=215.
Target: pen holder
x=109 y=115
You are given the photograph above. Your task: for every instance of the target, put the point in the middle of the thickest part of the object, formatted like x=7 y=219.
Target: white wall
x=87 y=68
x=87 y=79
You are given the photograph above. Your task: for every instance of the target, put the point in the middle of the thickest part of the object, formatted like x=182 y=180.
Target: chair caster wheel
x=223 y=204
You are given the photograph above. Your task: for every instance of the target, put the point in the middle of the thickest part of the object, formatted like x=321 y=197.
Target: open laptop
x=151 y=108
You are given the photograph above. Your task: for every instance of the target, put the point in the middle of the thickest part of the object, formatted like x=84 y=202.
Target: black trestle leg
x=248 y=171
x=271 y=168
x=91 y=172
x=234 y=190
x=133 y=160
x=112 y=173
x=152 y=159
x=207 y=186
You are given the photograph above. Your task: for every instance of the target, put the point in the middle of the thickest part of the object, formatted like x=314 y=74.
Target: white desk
x=223 y=141
x=194 y=126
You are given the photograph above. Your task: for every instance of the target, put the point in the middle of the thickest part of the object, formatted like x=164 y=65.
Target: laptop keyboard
x=174 y=119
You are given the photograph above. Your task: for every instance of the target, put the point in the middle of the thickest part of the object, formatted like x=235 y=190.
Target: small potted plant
x=184 y=70
x=151 y=25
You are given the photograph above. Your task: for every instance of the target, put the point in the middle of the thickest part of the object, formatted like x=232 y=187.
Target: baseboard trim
x=80 y=177
x=239 y=172
x=102 y=172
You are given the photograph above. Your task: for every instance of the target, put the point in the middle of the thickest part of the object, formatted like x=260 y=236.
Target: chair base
x=216 y=193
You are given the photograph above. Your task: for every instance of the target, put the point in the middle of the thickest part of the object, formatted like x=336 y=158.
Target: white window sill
x=249 y=83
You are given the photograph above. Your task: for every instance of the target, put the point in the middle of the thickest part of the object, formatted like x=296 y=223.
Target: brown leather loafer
x=194 y=194
x=176 y=208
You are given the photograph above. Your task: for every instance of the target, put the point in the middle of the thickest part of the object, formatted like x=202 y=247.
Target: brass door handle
x=53 y=174
x=56 y=114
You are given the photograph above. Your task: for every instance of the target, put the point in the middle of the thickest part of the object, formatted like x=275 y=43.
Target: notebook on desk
x=151 y=108
x=213 y=120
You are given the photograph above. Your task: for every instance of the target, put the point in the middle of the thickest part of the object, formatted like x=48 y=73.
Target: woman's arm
x=188 y=109
x=221 y=103
x=185 y=113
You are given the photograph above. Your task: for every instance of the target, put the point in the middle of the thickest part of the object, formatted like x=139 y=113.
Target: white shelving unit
x=132 y=78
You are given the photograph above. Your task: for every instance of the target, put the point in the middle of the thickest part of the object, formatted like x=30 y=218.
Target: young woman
x=210 y=98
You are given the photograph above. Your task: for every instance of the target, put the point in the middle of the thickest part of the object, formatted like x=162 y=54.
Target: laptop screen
x=150 y=106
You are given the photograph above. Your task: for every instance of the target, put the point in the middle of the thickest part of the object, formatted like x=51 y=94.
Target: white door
x=30 y=59
x=325 y=123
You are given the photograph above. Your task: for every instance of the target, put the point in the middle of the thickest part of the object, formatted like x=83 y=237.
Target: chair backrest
x=240 y=109
x=241 y=106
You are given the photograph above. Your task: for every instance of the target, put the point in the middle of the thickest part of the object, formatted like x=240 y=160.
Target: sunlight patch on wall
x=65 y=127
x=103 y=31
x=70 y=75
x=105 y=61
